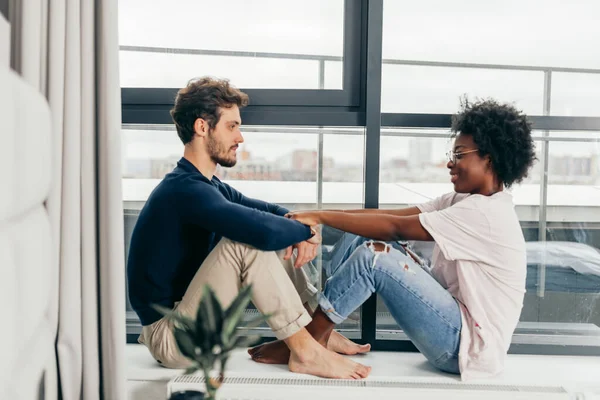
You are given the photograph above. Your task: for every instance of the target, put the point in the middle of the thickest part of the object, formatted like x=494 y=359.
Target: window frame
x=359 y=105
x=348 y=96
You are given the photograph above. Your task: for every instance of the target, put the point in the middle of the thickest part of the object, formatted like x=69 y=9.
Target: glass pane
x=592 y=138
x=419 y=89
x=174 y=70
x=334 y=75
x=275 y=164
x=575 y=94
x=471 y=31
x=413 y=166
x=563 y=273
x=258 y=44
x=575 y=163
x=413 y=171
x=343 y=184
x=479 y=33
x=343 y=150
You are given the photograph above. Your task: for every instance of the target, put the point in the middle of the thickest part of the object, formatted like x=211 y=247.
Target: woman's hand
x=310 y=218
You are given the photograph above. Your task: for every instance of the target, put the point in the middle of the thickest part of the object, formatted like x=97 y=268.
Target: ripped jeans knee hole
x=378 y=248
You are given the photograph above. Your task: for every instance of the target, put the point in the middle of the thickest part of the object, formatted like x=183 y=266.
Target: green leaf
x=257 y=321
x=240 y=342
x=182 y=320
x=186 y=344
x=234 y=313
x=210 y=316
x=202 y=339
x=224 y=357
x=193 y=369
x=210 y=387
x=252 y=323
x=207 y=360
x=245 y=341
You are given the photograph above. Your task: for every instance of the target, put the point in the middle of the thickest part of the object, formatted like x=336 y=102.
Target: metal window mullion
x=352 y=50
x=544 y=184
x=372 y=103
x=320 y=143
x=320 y=174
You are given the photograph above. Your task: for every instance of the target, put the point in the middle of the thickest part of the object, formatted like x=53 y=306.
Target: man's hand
x=307 y=251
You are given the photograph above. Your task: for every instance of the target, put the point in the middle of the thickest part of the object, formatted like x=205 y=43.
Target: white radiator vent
x=193 y=380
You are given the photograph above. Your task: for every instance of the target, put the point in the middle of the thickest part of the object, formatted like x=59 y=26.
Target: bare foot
x=275 y=352
x=340 y=344
x=314 y=359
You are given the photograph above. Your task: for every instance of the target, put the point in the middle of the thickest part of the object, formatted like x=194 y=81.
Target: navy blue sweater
x=184 y=218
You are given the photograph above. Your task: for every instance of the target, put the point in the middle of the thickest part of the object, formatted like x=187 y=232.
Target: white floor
x=579 y=376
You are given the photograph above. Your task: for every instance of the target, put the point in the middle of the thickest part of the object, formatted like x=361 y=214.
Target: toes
x=364 y=348
x=363 y=370
x=259 y=359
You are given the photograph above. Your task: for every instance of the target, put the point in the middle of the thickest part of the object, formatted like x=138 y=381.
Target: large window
x=296 y=167
x=349 y=107
x=562 y=302
x=434 y=51
x=263 y=46
x=538 y=64
x=174 y=40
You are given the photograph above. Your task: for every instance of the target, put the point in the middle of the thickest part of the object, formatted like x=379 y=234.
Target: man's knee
x=234 y=247
x=225 y=242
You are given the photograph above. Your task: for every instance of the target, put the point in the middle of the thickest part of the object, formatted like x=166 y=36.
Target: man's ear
x=201 y=127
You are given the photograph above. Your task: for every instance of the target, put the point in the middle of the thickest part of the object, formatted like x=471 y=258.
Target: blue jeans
x=426 y=312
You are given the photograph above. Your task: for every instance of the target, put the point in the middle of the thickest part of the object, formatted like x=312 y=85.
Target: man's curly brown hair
x=500 y=131
x=203 y=98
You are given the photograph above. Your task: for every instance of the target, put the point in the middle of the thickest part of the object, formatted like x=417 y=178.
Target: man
x=195 y=230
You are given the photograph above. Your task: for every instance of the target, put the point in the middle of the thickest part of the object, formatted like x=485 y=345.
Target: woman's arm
x=374 y=226
x=400 y=212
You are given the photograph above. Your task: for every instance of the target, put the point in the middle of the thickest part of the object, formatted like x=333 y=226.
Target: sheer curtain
x=68 y=49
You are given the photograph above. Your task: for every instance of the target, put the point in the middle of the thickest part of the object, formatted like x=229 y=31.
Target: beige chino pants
x=277 y=287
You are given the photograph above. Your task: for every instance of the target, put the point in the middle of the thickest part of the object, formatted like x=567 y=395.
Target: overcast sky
x=527 y=32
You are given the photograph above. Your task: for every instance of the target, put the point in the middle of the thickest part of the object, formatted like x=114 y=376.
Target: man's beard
x=218 y=153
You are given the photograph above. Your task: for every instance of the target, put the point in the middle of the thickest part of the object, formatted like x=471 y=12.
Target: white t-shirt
x=480 y=258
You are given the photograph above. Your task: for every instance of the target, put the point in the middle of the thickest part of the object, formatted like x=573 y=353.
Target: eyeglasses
x=453 y=157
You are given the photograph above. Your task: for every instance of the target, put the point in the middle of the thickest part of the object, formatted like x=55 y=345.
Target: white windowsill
x=148 y=380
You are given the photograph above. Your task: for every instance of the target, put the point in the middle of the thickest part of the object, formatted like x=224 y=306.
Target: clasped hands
x=306 y=250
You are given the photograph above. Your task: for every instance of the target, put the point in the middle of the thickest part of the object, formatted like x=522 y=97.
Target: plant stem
x=211 y=390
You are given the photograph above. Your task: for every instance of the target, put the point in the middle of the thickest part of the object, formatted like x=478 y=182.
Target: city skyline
x=316 y=28
x=301 y=164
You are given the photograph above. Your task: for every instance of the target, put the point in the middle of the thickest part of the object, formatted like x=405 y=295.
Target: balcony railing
x=545 y=138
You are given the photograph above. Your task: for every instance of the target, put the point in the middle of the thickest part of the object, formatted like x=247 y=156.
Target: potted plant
x=209 y=339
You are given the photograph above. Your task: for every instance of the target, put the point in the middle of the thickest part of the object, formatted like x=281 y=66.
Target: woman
x=462 y=313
